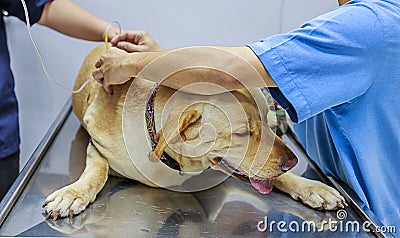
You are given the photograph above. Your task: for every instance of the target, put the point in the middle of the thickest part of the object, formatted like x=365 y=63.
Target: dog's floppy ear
x=172 y=130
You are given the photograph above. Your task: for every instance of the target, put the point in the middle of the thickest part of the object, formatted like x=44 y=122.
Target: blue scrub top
x=9 y=130
x=338 y=76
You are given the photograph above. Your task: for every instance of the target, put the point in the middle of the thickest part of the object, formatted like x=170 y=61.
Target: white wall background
x=173 y=23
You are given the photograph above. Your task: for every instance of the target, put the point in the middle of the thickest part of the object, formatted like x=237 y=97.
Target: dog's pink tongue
x=263 y=186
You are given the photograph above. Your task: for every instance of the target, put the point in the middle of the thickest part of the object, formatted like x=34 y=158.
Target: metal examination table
x=126 y=208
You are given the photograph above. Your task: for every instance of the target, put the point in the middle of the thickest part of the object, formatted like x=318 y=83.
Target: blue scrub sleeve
x=35 y=9
x=329 y=61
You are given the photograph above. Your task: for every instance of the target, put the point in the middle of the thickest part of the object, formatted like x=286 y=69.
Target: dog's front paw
x=67 y=201
x=318 y=195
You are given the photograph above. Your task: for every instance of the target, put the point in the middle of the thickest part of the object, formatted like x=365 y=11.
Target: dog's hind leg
x=74 y=198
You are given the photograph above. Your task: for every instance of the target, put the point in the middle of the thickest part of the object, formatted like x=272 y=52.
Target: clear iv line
x=28 y=24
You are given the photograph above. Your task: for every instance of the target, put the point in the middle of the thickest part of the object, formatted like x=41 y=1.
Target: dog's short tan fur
x=101 y=115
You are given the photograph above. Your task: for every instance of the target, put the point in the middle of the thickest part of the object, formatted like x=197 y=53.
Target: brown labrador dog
x=227 y=132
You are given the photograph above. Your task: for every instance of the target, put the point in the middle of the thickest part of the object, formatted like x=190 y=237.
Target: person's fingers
x=120 y=37
x=115 y=40
x=129 y=36
x=98 y=75
x=130 y=47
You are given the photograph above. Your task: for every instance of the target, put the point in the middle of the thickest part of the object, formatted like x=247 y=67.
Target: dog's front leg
x=311 y=192
x=74 y=198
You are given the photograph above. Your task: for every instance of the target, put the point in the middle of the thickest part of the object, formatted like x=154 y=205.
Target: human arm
x=230 y=68
x=222 y=65
x=68 y=18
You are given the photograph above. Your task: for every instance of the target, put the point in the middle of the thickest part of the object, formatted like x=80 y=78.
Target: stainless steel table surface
x=127 y=208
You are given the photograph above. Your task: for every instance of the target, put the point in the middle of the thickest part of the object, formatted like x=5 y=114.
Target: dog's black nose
x=289 y=163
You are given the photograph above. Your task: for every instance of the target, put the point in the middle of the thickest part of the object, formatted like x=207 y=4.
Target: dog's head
x=230 y=134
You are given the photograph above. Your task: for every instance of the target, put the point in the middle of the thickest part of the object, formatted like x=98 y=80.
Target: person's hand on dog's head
x=135 y=41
